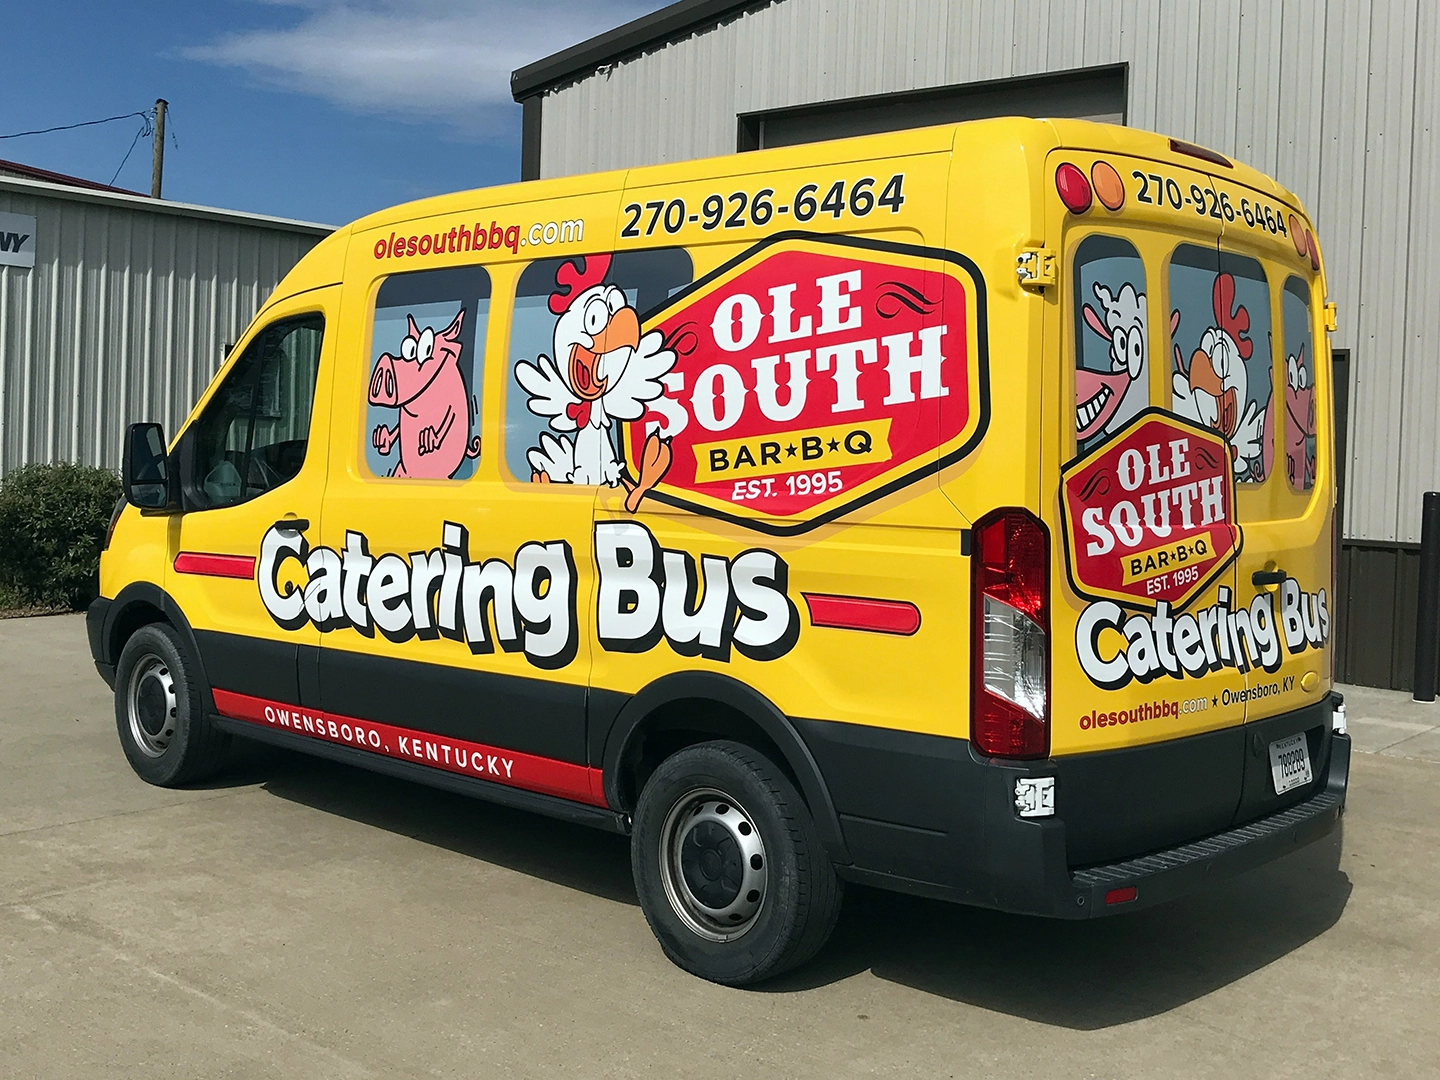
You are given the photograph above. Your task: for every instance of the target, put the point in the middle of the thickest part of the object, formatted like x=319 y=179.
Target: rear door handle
x=1268 y=577
x=292 y=524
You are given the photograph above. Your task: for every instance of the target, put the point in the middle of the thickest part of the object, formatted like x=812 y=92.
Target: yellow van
x=843 y=512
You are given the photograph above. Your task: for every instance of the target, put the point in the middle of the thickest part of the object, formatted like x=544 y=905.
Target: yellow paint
x=984 y=190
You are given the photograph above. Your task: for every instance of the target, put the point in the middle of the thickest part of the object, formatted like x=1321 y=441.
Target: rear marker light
x=1073 y=187
x=1109 y=188
x=1297 y=237
x=1121 y=896
x=1010 y=682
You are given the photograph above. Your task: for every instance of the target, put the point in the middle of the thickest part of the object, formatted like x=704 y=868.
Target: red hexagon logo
x=815 y=374
x=1150 y=514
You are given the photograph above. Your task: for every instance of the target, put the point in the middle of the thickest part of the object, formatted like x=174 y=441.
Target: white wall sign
x=17 y=240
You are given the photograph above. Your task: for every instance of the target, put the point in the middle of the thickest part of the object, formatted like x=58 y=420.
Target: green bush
x=52 y=523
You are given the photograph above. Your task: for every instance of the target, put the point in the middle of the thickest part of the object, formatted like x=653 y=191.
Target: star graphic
x=790 y=450
x=1214 y=701
x=834 y=445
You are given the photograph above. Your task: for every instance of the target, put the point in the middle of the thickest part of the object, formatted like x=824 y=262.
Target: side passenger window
x=252 y=435
x=1299 y=386
x=422 y=408
x=1112 y=376
x=1220 y=345
x=578 y=363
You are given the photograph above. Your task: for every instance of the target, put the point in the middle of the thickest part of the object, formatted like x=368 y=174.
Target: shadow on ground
x=1087 y=975
x=574 y=856
x=1079 y=975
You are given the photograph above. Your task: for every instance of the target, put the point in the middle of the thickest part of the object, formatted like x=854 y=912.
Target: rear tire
x=729 y=867
x=159 y=711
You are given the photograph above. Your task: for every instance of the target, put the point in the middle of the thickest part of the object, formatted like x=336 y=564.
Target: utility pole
x=157 y=166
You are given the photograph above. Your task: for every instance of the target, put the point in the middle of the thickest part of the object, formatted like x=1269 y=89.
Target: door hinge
x=1035 y=267
x=1332 y=317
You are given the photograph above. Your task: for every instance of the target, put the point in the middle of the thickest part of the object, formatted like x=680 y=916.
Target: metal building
x=116 y=307
x=1334 y=98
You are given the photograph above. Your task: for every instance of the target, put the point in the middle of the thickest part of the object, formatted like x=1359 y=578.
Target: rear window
x=1299 y=386
x=1111 y=338
x=1220 y=338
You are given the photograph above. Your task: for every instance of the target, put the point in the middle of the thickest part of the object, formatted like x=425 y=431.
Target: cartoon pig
x=425 y=384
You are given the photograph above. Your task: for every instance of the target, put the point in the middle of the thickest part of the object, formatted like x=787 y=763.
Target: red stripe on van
x=512 y=768
x=863 y=613
x=210 y=565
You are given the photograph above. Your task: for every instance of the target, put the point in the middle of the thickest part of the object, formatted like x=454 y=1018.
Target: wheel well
x=677 y=724
x=131 y=618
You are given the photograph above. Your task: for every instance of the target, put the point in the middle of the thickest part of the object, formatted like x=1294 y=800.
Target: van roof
x=1057 y=133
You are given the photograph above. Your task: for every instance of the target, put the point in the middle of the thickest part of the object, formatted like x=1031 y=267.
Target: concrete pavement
x=301 y=919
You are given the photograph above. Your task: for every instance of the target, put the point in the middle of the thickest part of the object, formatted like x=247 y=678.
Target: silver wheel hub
x=150 y=703
x=713 y=865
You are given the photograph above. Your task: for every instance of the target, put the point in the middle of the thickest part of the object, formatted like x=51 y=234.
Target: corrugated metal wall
x=1325 y=95
x=124 y=316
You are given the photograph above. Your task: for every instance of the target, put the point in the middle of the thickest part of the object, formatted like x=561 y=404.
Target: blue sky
x=316 y=109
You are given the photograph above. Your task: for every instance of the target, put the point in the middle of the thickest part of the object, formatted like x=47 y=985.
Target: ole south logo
x=814 y=375
x=1150 y=514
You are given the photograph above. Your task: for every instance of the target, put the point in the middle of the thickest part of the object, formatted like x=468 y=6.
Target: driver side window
x=252 y=435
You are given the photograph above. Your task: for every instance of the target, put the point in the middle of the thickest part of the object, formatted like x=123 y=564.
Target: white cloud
x=446 y=60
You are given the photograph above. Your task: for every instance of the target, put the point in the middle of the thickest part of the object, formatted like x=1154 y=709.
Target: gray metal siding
x=124 y=317
x=1335 y=98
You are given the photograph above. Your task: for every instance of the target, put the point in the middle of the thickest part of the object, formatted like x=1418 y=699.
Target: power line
x=145 y=129
x=71 y=127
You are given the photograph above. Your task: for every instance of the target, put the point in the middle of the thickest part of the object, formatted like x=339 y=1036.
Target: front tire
x=159 y=711
x=729 y=867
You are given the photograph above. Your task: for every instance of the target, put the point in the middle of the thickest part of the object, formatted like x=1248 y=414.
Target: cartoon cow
x=1099 y=394
x=1300 y=422
x=602 y=371
x=424 y=383
x=1212 y=388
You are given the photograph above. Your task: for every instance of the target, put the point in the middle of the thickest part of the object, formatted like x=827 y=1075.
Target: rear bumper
x=1165 y=875
x=1160 y=820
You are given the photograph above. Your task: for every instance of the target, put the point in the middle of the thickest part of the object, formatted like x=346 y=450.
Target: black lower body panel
x=535 y=716
x=929 y=815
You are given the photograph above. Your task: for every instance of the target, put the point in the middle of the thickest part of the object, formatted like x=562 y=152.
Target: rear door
x=1284 y=484
x=1144 y=566
x=1144 y=559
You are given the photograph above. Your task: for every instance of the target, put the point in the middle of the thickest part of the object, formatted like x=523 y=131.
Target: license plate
x=1290 y=763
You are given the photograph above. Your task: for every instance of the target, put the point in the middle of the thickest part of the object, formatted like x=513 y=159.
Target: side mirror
x=146 y=470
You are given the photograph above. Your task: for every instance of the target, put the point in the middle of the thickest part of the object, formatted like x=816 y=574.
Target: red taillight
x=1010 y=714
x=1122 y=896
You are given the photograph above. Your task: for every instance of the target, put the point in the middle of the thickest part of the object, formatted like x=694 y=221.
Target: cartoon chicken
x=425 y=384
x=1099 y=394
x=602 y=371
x=1212 y=389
